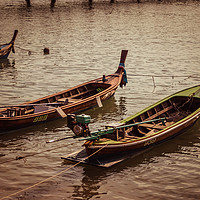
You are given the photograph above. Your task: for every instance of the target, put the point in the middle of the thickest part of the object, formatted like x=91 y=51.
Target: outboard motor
x=79 y=124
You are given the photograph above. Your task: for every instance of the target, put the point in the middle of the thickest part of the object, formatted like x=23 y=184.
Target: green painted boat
x=156 y=123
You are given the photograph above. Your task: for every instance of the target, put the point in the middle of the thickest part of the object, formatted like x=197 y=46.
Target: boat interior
x=171 y=110
x=59 y=99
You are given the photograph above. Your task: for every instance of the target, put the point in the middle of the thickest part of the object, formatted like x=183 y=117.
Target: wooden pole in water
x=53 y=3
x=28 y=3
x=90 y=4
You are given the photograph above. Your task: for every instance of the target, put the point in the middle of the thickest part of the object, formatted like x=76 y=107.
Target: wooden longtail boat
x=5 y=49
x=157 y=123
x=75 y=99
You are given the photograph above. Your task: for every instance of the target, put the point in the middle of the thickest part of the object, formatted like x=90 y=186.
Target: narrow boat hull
x=12 y=123
x=144 y=143
x=58 y=105
x=187 y=102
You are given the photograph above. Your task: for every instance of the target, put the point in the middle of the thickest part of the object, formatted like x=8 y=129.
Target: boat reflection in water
x=5 y=63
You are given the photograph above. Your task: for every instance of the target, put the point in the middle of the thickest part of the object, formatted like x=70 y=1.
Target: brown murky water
x=163 y=41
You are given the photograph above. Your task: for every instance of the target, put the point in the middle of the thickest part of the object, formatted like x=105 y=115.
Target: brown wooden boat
x=5 y=49
x=157 y=123
x=57 y=105
x=152 y=125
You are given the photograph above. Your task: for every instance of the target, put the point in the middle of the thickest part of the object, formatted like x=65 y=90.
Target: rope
x=51 y=177
x=164 y=76
x=22 y=157
x=29 y=51
x=190 y=98
x=154 y=84
x=153 y=78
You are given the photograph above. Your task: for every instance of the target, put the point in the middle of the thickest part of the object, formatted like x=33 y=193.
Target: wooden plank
x=152 y=126
x=128 y=130
x=99 y=102
x=78 y=91
x=29 y=111
x=159 y=113
x=63 y=100
x=61 y=112
x=117 y=134
x=71 y=100
x=132 y=137
x=80 y=94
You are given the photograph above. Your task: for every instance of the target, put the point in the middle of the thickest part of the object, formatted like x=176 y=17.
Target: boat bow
x=6 y=48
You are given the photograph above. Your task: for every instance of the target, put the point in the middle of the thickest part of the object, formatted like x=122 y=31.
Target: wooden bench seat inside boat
x=29 y=111
x=157 y=126
x=80 y=94
x=72 y=100
x=154 y=126
x=63 y=101
x=77 y=93
x=160 y=113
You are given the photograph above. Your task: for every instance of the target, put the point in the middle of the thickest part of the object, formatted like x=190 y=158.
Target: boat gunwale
x=190 y=117
x=144 y=139
x=53 y=110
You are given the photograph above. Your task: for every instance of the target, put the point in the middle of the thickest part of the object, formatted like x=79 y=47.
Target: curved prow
x=13 y=40
x=123 y=56
x=122 y=60
x=14 y=36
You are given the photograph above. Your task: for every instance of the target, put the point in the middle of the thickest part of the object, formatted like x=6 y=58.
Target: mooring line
x=29 y=51
x=51 y=177
x=170 y=76
x=33 y=154
x=163 y=76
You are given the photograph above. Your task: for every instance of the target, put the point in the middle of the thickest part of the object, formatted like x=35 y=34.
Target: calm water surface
x=163 y=41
